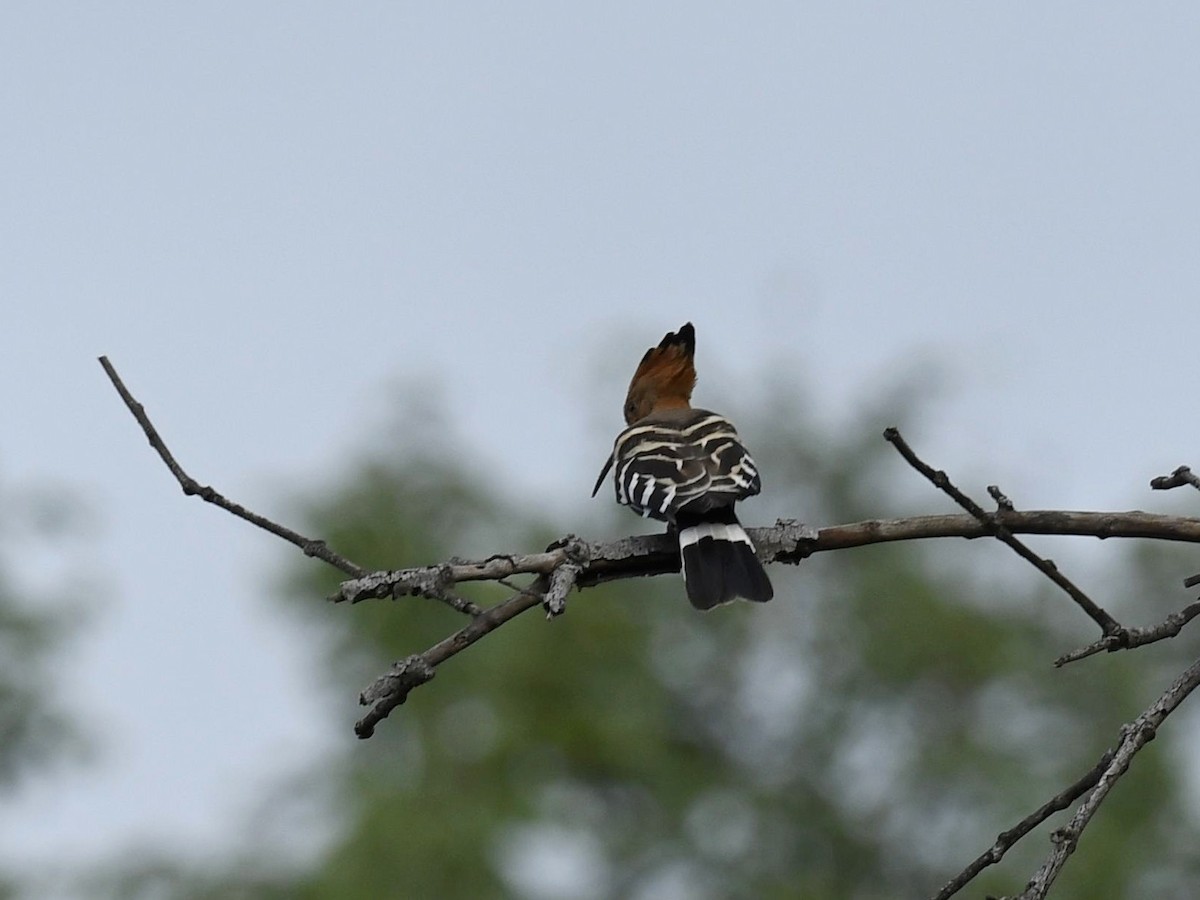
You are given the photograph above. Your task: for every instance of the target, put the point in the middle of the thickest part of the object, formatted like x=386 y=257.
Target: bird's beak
x=603 y=472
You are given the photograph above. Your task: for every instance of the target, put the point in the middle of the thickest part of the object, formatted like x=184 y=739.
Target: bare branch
x=1107 y=623
x=419 y=581
x=1134 y=736
x=434 y=582
x=1006 y=839
x=390 y=690
x=1135 y=637
x=550 y=589
x=192 y=487
x=787 y=541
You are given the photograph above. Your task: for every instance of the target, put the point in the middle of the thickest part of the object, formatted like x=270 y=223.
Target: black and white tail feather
x=688 y=468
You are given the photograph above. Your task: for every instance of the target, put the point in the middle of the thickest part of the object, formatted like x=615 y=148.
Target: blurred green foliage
x=864 y=736
x=34 y=731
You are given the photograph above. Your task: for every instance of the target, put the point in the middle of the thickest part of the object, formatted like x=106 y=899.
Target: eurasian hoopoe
x=686 y=467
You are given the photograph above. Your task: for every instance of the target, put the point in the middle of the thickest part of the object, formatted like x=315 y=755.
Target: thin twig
x=461 y=604
x=516 y=588
x=1107 y=623
x=1002 y=502
x=434 y=582
x=399 y=582
x=1135 y=637
x=192 y=487
x=1006 y=839
x=1134 y=736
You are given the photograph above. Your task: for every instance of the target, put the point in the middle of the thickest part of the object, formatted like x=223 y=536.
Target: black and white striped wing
x=692 y=464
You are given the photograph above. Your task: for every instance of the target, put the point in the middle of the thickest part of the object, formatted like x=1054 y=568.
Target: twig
x=1135 y=637
x=565 y=574
x=1134 y=736
x=390 y=690
x=399 y=582
x=433 y=582
x=192 y=487
x=1181 y=476
x=1107 y=623
x=1002 y=502
x=561 y=582
x=550 y=589
x=516 y=588
x=460 y=604
x=1005 y=840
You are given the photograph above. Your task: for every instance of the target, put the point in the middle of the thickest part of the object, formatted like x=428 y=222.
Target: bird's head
x=665 y=377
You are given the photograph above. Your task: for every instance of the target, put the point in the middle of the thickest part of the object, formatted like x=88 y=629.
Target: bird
x=688 y=467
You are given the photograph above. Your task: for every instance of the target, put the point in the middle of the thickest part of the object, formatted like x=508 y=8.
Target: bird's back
x=682 y=460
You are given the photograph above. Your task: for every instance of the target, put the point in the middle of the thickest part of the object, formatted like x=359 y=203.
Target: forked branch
x=1115 y=763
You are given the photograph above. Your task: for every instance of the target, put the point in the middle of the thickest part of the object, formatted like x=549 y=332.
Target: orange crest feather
x=665 y=377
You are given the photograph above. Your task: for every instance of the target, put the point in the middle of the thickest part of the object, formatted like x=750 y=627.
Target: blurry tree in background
x=865 y=735
x=33 y=622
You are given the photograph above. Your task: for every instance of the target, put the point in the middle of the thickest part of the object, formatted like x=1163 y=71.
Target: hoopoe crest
x=687 y=467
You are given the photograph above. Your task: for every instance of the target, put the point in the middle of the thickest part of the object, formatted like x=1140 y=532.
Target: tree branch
x=786 y=542
x=192 y=487
x=1007 y=839
x=1115 y=763
x=1135 y=637
x=1107 y=623
x=391 y=689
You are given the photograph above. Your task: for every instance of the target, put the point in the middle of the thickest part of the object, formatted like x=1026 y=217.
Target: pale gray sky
x=267 y=213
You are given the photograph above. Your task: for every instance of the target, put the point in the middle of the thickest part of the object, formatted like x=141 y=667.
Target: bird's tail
x=719 y=564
